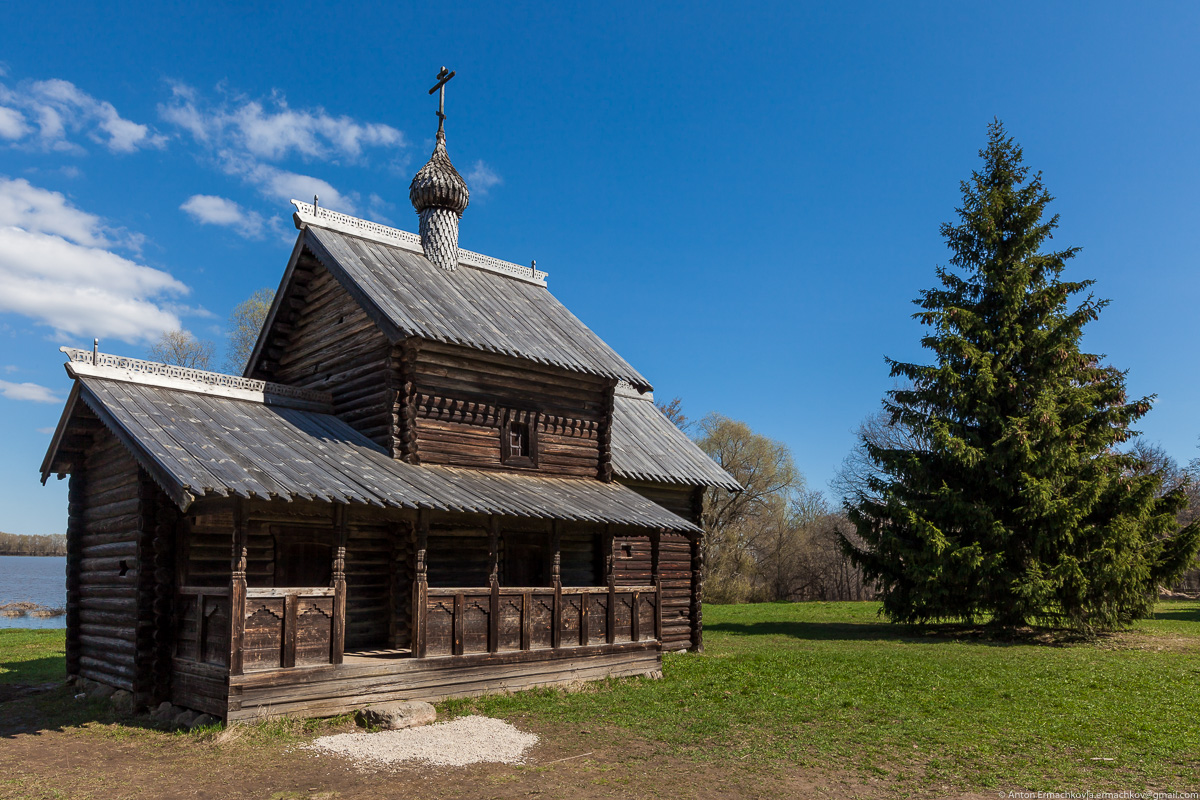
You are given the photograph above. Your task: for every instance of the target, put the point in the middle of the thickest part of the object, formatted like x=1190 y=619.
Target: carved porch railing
x=289 y=627
x=461 y=620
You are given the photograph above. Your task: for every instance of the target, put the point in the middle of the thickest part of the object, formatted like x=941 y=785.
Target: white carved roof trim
x=625 y=389
x=365 y=229
x=83 y=363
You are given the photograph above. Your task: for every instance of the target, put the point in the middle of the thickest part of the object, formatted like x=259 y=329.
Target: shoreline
x=35 y=555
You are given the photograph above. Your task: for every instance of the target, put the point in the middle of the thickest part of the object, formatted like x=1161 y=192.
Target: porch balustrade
x=460 y=620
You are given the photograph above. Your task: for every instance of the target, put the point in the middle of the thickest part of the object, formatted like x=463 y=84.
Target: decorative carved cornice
x=365 y=229
x=169 y=376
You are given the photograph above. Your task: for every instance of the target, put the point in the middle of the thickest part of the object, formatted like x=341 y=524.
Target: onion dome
x=438 y=184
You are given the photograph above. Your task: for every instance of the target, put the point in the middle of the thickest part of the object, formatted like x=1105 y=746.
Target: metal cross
x=443 y=78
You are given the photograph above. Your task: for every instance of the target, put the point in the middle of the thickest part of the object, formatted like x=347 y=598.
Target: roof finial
x=316 y=208
x=443 y=77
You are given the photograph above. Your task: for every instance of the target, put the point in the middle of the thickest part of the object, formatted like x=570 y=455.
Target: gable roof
x=202 y=434
x=485 y=304
x=647 y=446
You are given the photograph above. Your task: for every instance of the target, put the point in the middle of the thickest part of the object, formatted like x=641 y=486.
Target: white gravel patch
x=462 y=741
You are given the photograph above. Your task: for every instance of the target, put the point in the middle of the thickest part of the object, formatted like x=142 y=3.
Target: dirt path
x=101 y=760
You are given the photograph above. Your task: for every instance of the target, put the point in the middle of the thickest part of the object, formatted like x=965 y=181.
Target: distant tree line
x=775 y=540
x=12 y=544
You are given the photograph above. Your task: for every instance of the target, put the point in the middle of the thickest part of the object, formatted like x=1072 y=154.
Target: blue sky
x=743 y=199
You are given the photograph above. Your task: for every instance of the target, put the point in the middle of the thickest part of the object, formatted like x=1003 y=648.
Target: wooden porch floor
x=364 y=679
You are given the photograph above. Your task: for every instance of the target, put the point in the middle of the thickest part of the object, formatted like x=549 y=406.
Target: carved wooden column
x=656 y=579
x=420 y=585
x=237 y=589
x=337 y=636
x=556 y=581
x=494 y=582
x=610 y=579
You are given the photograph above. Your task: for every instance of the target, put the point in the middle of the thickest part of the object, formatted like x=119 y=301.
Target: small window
x=518 y=441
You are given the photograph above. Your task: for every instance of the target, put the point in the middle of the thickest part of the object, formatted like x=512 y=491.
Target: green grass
x=830 y=685
x=30 y=656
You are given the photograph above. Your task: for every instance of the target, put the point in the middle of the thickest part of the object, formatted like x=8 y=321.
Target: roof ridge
x=307 y=214
x=91 y=363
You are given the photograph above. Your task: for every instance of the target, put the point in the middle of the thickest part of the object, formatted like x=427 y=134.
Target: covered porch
x=397 y=604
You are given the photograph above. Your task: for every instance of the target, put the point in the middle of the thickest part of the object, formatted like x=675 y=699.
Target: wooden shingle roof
x=203 y=439
x=485 y=304
x=646 y=446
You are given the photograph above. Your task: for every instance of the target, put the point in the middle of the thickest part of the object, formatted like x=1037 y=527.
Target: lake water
x=36 y=579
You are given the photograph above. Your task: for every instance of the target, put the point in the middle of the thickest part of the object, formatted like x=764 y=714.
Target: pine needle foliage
x=1016 y=506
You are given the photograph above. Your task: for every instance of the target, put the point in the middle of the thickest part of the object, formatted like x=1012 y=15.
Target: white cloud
x=23 y=205
x=209 y=209
x=284 y=186
x=55 y=267
x=276 y=132
x=245 y=136
x=28 y=391
x=12 y=123
x=481 y=178
x=46 y=431
x=58 y=108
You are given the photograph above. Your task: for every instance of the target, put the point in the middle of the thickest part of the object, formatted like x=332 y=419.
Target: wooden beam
x=610 y=579
x=237 y=590
x=556 y=580
x=420 y=585
x=337 y=636
x=657 y=579
x=494 y=581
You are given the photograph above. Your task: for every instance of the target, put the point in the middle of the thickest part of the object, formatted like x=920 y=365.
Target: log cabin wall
x=322 y=339
x=460 y=399
x=112 y=570
x=679 y=565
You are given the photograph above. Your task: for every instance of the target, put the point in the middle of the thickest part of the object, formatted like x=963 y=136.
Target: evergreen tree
x=1009 y=500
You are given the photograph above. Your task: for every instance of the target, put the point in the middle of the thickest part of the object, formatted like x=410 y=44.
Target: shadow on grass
x=59 y=710
x=33 y=670
x=1179 y=614
x=924 y=634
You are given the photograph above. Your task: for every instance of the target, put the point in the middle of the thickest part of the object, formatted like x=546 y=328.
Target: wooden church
x=432 y=481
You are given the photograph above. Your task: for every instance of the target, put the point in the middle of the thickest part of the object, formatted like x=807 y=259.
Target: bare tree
x=182 y=349
x=245 y=323
x=736 y=522
x=674 y=412
x=855 y=479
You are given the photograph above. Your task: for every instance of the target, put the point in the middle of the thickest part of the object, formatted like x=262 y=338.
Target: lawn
x=31 y=656
x=830 y=689
x=829 y=685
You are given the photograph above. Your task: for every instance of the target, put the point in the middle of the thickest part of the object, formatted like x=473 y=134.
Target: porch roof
x=647 y=446
x=216 y=441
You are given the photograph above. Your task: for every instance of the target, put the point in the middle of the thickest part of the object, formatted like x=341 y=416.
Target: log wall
x=679 y=564
x=322 y=339
x=461 y=397
x=107 y=525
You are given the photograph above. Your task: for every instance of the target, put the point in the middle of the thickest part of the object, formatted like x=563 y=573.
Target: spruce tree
x=1015 y=505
